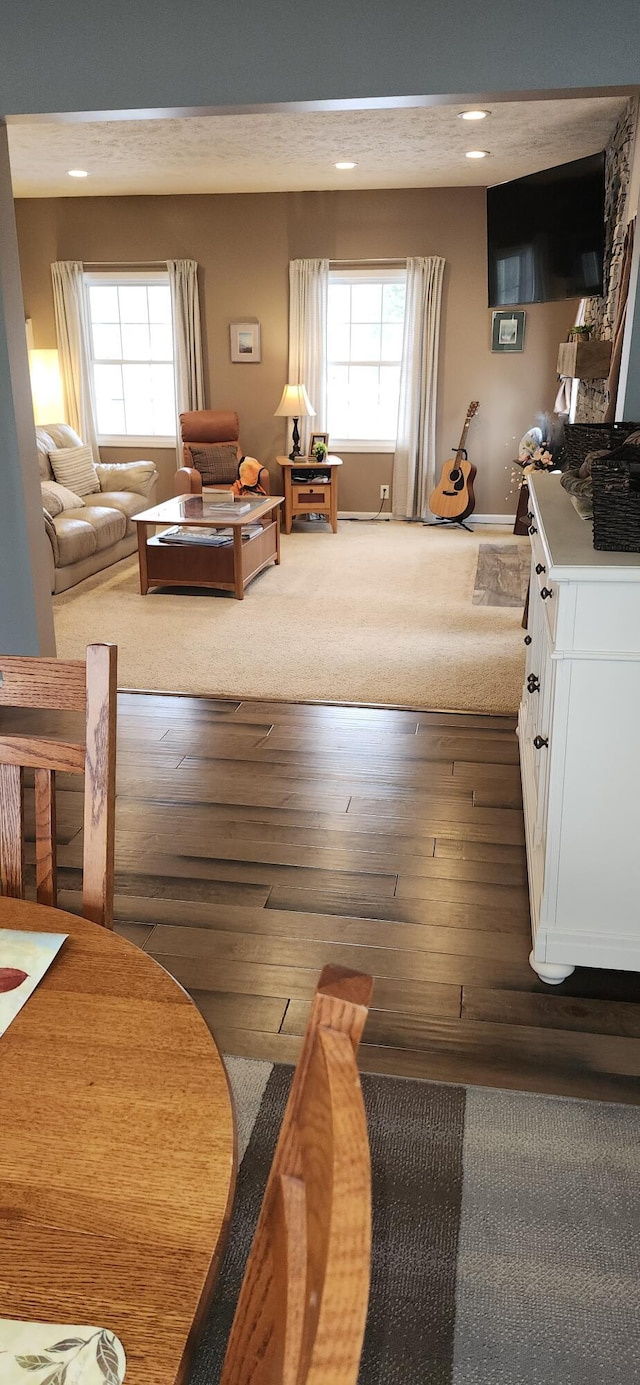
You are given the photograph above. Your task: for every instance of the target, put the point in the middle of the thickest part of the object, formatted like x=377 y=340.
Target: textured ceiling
x=293 y=152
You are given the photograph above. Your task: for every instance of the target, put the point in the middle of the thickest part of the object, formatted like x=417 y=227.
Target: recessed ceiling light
x=77 y=173
x=477 y=154
x=473 y=115
x=346 y=165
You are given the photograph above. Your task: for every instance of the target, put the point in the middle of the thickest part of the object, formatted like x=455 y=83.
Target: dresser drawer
x=543 y=591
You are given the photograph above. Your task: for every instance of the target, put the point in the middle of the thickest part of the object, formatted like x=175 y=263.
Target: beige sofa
x=85 y=538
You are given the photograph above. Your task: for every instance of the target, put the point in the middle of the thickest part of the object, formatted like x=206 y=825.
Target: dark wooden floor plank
x=459 y=850
x=446 y=913
x=465 y=892
x=196 y=917
x=241 y=1012
x=553 y=1011
x=137 y=933
x=204 y=948
x=440 y=1065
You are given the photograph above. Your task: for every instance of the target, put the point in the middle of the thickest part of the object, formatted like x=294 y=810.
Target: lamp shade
x=295 y=403
x=46 y=387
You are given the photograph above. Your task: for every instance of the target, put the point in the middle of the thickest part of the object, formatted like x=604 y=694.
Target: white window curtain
x=414 y=468
x=72 y=331
x=308 y=298
x=187 y=340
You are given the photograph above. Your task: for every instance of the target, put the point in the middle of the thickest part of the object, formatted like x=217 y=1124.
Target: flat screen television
x=546 y=235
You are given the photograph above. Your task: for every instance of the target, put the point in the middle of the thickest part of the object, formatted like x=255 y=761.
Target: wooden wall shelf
x=585 y=360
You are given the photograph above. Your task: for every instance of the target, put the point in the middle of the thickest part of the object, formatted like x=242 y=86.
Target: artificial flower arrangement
x=538 y=451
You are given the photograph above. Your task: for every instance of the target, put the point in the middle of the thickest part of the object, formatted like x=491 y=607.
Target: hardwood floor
x=258 y=841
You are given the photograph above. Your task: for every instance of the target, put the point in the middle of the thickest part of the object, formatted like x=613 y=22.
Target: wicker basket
x=581 y=438
x=616 y=504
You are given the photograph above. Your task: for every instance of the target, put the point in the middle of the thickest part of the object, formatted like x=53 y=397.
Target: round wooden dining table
x=117 y=1149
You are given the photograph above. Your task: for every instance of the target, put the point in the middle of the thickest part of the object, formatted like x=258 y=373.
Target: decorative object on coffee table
x=295 y=404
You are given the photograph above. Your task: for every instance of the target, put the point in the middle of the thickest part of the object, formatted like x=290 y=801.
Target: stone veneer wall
x=600 y=312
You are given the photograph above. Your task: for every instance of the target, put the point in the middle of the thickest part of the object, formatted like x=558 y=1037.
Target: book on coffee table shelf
x=214 y=538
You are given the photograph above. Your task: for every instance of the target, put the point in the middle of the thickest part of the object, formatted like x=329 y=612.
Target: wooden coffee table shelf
x=196 y=564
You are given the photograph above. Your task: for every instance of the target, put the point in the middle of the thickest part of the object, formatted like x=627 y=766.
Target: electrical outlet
x=384 y=492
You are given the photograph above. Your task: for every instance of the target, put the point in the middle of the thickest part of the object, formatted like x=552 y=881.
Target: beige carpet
x=379 y=613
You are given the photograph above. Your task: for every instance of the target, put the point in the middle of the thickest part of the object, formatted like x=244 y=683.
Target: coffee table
x=200 y=564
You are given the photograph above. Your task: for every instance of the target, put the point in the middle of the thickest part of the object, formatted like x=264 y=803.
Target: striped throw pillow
x=73 y=467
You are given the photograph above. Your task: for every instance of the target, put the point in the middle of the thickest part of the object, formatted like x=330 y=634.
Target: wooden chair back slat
x=337 y=1172
x=47 y=683
x=45 y=805
x=57 y=685
x=33 y=752
x=12 y=831
x=302 y=1308
x=100 y=785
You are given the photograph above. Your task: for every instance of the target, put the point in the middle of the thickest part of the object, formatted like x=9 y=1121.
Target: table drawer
x=311 y=497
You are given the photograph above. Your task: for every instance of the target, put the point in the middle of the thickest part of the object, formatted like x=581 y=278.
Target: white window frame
x=111 y=277
x=388 y=275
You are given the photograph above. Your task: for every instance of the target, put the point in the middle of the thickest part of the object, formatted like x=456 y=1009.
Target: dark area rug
x=505 y=1235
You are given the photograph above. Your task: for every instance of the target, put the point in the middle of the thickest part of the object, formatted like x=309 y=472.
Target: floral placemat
x=37 y=1353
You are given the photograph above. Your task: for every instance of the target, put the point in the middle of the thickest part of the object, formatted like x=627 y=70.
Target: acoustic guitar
x=453 y=497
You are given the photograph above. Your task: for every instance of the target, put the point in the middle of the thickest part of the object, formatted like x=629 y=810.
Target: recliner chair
x=211 y=452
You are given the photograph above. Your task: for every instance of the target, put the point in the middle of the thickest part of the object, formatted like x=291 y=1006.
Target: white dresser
x=579 y=730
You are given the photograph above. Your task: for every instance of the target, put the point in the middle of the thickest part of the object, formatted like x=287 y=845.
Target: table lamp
x=295 y=404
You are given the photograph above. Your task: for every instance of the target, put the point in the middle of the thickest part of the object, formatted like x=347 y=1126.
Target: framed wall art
x=245 y=341
x=507 y=330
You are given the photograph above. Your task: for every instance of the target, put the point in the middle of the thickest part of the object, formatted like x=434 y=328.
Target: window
x=131 y=344
x=364 y=350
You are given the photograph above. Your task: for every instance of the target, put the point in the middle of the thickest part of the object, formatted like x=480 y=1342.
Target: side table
x=310 y=497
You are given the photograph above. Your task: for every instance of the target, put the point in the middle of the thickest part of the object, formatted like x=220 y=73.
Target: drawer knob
x=540 y=742
x=545 y=592
x=532 y=529
x=540 y=568
x=533 y=683
x=530 y=515
x=527 y=639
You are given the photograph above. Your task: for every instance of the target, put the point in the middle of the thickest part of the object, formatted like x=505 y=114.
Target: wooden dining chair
x=70 y=686
x=302 y=1309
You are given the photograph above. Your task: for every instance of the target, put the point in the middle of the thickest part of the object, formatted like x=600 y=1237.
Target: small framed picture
x=507 y=330
x=245 y=341
x=315 y=439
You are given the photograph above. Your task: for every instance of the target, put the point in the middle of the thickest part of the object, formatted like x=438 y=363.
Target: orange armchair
x=211 y=452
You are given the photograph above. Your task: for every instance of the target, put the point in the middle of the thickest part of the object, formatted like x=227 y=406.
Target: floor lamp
x=295 y=404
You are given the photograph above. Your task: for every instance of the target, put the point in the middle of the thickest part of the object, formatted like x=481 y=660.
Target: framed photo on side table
x=245 y=341
x=315 y=439
x=507 y=330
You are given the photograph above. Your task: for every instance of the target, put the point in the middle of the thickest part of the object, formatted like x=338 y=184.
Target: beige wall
x=243 y=244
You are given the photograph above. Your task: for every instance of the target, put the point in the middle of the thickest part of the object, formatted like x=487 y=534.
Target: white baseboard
x=508 y=520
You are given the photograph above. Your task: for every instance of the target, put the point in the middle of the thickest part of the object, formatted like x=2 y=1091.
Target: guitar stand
x=459 y=522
